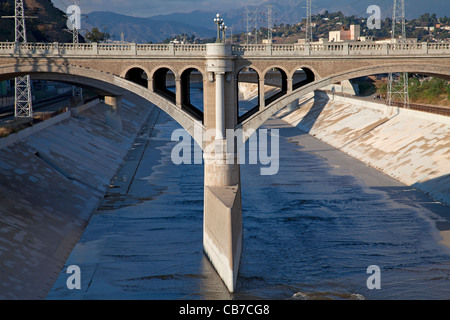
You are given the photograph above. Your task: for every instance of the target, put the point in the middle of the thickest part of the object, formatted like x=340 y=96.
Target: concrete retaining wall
x=53 y=177
x=411 y=146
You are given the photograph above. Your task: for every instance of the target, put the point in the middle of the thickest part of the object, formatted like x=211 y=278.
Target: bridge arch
x=186 y=83
x=279 y=79
x=256 y=120
x=103 y=83
x=252 y=75
x=125 y=71
x=275 y=67
x=298 y=81
x=137 y=75
x=160 y=80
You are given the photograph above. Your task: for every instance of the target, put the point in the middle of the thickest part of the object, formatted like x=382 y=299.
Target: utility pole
x=398 y=87
x=23 y=104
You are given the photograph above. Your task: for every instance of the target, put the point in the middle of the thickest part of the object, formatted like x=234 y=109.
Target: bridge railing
x=276 y=50
x=356 y=48
x=89 y=49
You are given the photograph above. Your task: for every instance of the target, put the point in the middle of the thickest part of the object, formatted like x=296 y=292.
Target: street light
x=224 y=31
x=219 y=21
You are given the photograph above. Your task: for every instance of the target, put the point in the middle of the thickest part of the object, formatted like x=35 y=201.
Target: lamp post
x=224 y=31
x=219 y=21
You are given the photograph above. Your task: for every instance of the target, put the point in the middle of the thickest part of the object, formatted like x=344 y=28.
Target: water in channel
x=310 y=231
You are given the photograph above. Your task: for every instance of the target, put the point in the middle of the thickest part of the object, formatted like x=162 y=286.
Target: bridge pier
x=113 y=115
x=222 y=224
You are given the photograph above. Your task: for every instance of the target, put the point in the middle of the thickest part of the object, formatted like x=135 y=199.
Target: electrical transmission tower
x=23 y=105
x=248 y=20
x=398 y=86
x=270 y=22
x=309 y=28
x=256 y=24
x=77 y=92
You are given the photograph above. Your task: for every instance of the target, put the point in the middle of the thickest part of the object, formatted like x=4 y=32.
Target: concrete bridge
x=149 y=70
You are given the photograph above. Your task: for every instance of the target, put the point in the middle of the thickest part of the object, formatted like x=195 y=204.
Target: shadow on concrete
x=439 y=189
x=313 y=114
x=413 y=196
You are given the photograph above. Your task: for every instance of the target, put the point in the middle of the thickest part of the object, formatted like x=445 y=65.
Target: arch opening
x=248 y=89
x=192 y=97
x=164 y=84
x=302 y=77
x=275 y=85
x=138 y=76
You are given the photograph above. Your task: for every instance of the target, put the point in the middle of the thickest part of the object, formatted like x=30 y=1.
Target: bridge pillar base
x=113 y=117
x=222 y=221
x=222 y=232
x=293 y=105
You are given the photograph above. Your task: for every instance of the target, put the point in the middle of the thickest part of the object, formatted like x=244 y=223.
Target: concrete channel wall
x=410 y=146
x=53 y=177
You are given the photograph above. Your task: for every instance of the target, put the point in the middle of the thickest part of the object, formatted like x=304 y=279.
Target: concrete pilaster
x=222 y=232
x=262 y=94
x=113 y=114
x=220 y=105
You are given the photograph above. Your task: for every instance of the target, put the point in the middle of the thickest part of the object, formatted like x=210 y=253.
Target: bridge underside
x=166 y=84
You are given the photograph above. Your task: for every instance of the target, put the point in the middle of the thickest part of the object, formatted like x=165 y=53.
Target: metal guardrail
x=132 y=49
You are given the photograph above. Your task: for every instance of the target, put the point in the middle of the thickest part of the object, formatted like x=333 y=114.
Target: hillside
x=47 y=27
x=140 y=30
x=294 y=11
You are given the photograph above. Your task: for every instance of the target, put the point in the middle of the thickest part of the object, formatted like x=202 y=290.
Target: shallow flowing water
x=310 y=231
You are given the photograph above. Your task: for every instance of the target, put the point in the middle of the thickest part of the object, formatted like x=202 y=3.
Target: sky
x=148 y=8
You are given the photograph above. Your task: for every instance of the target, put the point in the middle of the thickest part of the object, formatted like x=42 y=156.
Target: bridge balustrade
x=281 y=50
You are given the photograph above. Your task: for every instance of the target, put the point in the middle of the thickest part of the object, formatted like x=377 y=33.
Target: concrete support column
x=262 y=94
x=178 y=96
x=290 y=85
x=113 y=115
x=222 y=223
x=220 y=105
x=150 y=85
x=222 y=226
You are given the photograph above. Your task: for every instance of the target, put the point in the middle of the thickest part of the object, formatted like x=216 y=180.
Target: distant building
x=353 y=33
x=176 y=41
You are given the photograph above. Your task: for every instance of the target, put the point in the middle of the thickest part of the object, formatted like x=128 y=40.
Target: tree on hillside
x=96 y=35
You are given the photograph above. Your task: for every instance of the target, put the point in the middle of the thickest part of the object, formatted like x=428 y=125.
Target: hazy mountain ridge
x=140 y=30
x=293 y=11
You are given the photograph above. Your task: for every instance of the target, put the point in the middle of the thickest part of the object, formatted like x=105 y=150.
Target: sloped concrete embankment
x=410 y=146
x=53 y=177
